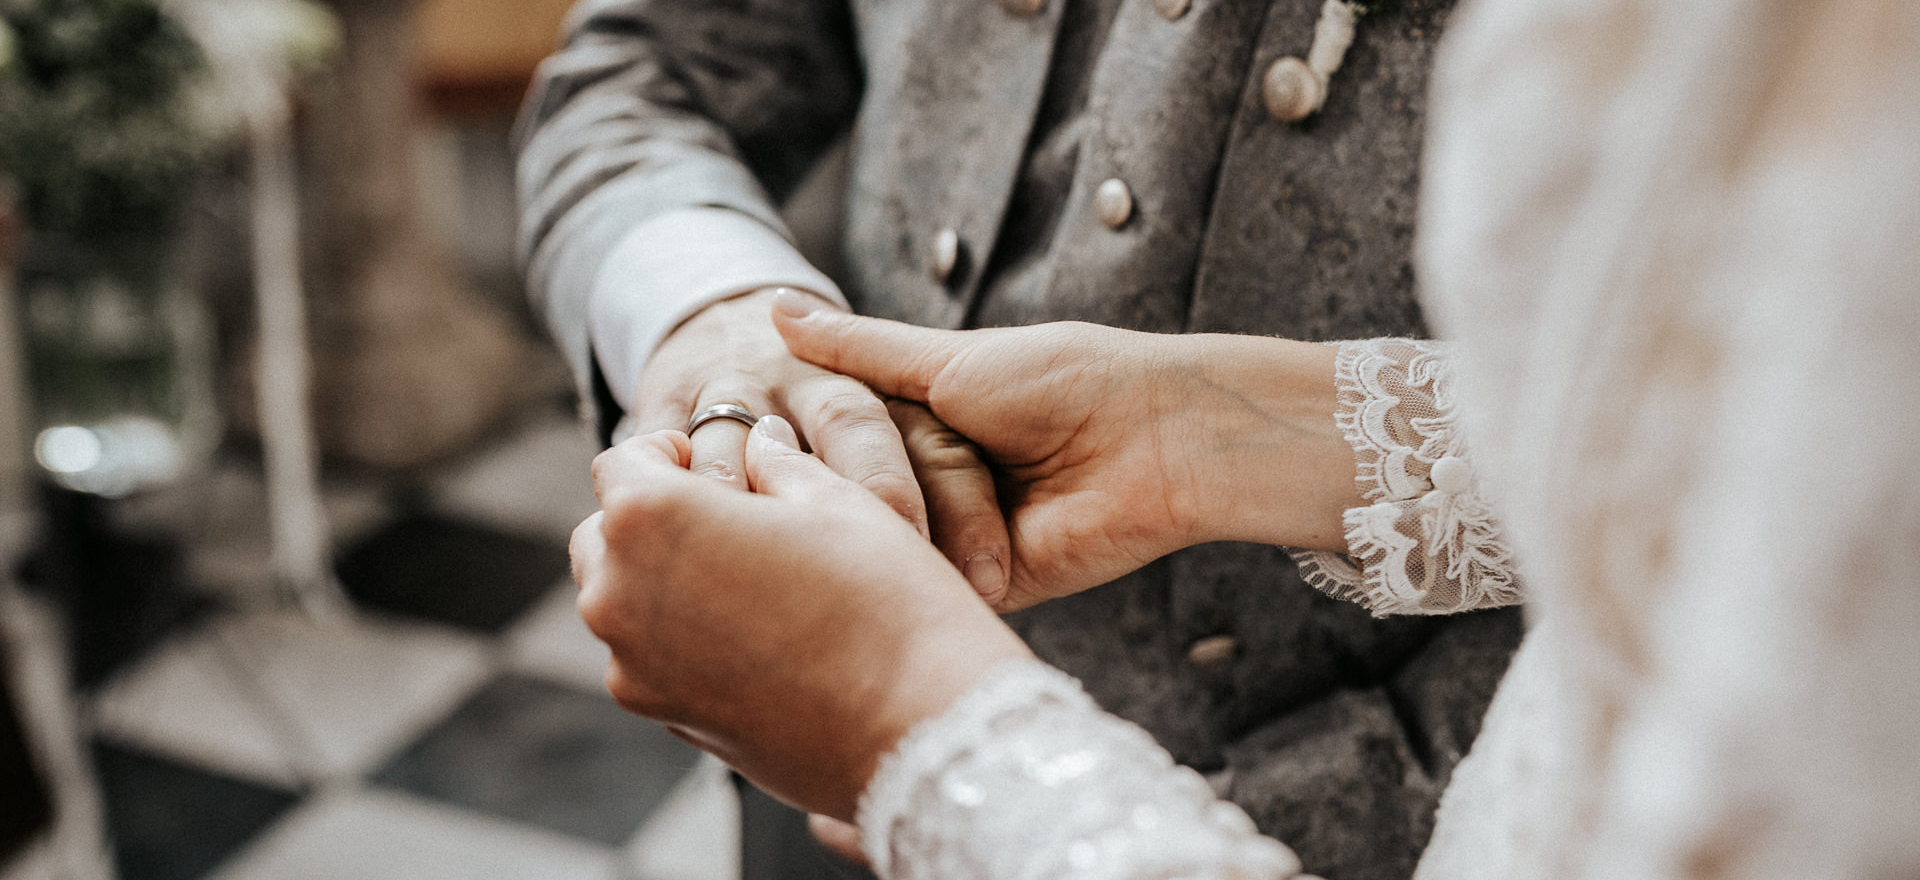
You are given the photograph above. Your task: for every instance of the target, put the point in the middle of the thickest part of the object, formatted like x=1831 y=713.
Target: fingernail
x=983 y=572
x=778 y=430
x=795 y=304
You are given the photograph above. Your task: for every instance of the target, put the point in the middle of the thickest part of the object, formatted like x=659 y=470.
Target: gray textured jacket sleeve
x=653 y=105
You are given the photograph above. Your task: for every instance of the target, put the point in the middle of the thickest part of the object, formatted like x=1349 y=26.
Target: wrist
x=931 y=672
x=730 y=335
x=749 y=307
x=1270 y=463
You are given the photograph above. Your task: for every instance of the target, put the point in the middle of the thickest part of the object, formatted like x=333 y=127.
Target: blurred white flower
x=255 y=50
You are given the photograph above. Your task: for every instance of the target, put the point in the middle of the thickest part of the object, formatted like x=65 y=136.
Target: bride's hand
x=796 y=632
x=1112 y=448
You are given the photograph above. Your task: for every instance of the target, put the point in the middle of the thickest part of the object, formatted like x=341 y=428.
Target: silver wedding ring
x=721 y=411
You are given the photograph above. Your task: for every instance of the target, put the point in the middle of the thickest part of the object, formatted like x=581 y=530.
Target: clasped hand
x=798 y=631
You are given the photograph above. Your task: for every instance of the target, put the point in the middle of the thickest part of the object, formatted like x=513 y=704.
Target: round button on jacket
x=1171 y=10
x=1290 y=90
x=945 y=255
x=1113 y=203
x=1023 y=8
x=1213 y=653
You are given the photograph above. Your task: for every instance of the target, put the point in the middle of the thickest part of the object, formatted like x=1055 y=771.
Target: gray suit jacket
x=991 y=127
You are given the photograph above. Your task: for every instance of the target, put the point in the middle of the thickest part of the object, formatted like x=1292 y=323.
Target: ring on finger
x=716 y=411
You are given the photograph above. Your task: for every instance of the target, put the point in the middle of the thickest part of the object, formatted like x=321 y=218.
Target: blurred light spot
x=69 y=449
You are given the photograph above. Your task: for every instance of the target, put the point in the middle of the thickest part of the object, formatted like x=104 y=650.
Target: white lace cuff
x=1428 y=542
x=1024 y=777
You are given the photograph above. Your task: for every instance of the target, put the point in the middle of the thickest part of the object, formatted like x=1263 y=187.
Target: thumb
x=776 y=467
x=639 y=464
x=898 y=360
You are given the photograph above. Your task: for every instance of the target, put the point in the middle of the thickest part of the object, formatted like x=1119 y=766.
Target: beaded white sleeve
x=1427 y=542
x=1026 y=778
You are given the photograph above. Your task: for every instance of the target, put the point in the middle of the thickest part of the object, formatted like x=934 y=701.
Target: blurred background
x=287 y=470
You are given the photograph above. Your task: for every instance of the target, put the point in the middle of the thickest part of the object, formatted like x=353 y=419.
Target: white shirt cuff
x=672 y=266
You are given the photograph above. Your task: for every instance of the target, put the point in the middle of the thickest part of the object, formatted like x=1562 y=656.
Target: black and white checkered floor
x=453 y=726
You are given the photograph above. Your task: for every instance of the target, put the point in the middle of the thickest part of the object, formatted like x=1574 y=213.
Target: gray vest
x=986 y=136
x=1016 y=161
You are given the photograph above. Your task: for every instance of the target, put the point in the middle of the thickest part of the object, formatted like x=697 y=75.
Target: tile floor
x=453 y=726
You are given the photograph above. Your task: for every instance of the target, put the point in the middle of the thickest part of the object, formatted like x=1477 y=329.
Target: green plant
x=97 y=130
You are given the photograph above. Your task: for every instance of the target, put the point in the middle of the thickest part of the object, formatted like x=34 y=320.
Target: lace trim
x=1417 y=548
x=1025 y=777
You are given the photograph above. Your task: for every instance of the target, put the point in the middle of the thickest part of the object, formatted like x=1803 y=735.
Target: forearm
x=1347 y=455
x=599 y=157
x=660 y=106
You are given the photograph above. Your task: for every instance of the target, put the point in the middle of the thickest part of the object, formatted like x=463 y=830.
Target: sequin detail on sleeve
x=1026 y=778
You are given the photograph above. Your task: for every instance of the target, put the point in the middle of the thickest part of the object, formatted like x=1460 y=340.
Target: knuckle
x=577 y=554
x=909 y=415
x=746 y=386
x=720 y=469
x=604 y=618
x=634 y=509
x=626 y=513
x=586 y=533
x=664 y=391
x=930 y=443
x=944 y=450
x=630 y=694
x=833 y=336
x=901 y=492
x=605 y=465
x=586 y=551
x=851 y=407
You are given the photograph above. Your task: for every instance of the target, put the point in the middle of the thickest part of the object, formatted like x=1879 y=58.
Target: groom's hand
x=729 y=353
x=964 y=517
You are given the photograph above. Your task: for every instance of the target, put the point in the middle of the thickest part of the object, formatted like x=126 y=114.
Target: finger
x=596 y=603
x=962 y=507
x=719 y=445
x=776 y=467
x=848 y=427
x=840 y=838
x=587 y=548
x=720 y=452
x=899 y=360
x=630 y=466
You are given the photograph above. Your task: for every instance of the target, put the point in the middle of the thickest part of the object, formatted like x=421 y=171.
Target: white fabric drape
x=1678 y=245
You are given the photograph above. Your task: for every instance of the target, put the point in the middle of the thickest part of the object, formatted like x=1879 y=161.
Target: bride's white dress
x=1676 y=249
